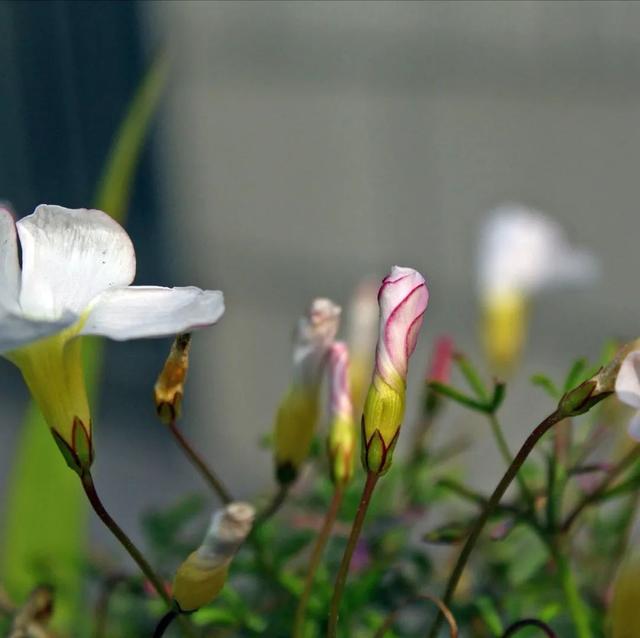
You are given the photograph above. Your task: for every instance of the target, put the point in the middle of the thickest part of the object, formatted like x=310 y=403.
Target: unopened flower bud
x=342 y=438
x=298 y=412
x=201 y=577
x=403 y=299
x=623 y=612
x=169 y=388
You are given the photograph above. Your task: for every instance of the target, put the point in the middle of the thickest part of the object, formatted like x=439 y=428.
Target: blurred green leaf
x=489 y=614
x=45 y=527
x=544 y=382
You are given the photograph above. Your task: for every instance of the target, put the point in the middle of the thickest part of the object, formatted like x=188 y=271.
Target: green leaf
x=459 y=397
x=576 y=374
x=45 y=526
x=490 y=615
x=544 y=382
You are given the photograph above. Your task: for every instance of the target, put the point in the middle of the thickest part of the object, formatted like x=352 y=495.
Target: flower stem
x=214 y=482
x=125 y=541
x=316 y=556
x=575 y=604
x=164 y=623
x=276 y=503
x=503 y=446
x=343 y=571
x=491 y=505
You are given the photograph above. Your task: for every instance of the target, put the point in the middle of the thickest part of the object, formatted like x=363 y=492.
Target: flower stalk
x=315 y=558
x=343 y=571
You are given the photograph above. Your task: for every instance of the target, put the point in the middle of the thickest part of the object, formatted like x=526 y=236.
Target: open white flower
x=77 y=267
x=628 y=389
x=522 y=251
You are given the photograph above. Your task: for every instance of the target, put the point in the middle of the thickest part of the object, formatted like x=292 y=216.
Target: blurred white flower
x=522 y=251
x=628 y=389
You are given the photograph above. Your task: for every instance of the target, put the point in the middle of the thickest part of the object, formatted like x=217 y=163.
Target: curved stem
x=343 y=571
x=276 y=503
x=505 y=452
x=207 y=473
x=125 y=541
x=492 y=503
x=316 y=556
x=529 y=622
x=164 y=623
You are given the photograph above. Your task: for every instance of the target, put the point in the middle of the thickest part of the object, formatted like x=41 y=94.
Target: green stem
x=314 y=561
x=505 y=452
x=492 y=503
x=215 y=483
x=576 y=606
x=343 y=572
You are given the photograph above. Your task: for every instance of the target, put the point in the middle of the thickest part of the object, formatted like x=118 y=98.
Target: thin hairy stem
x=207 y=473
x=507 y=457
x=491 y=505
x=343 y=571
x=125 y=541
x=316 y=556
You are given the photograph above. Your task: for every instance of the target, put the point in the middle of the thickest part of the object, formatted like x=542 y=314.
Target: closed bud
x=169 y=388
x=403 y=299
x=504 y=320
x=202 y=576
x=342 y=439
x=297 y=414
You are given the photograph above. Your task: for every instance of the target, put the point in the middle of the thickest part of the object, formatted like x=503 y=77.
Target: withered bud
x=169 y=388
x=32 y=618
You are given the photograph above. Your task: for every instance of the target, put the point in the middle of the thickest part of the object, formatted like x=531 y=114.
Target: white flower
x=628 y=389
x=523 y=250
x=77 y=267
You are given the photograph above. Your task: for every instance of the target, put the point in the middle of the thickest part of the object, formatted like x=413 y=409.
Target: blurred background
x=301 y=147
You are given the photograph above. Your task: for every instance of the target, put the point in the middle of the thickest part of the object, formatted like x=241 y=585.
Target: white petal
x=152 y=311
x=628 y=380
x=524 y=250
x=69 y=257
x=9 y=266
x=634 y=427
x=16 y=331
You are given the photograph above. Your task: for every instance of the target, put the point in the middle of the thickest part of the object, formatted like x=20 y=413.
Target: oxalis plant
x=340 y=547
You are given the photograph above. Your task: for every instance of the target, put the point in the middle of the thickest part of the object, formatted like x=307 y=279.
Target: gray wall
x=309 y=144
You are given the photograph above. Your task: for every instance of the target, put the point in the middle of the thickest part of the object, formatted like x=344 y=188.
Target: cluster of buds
x=341 y=441
x=298 y=412
x=201 y=577
x=403 y=299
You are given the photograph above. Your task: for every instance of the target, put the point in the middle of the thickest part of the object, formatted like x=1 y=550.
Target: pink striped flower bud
x=403 y=299
x=342 y=439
